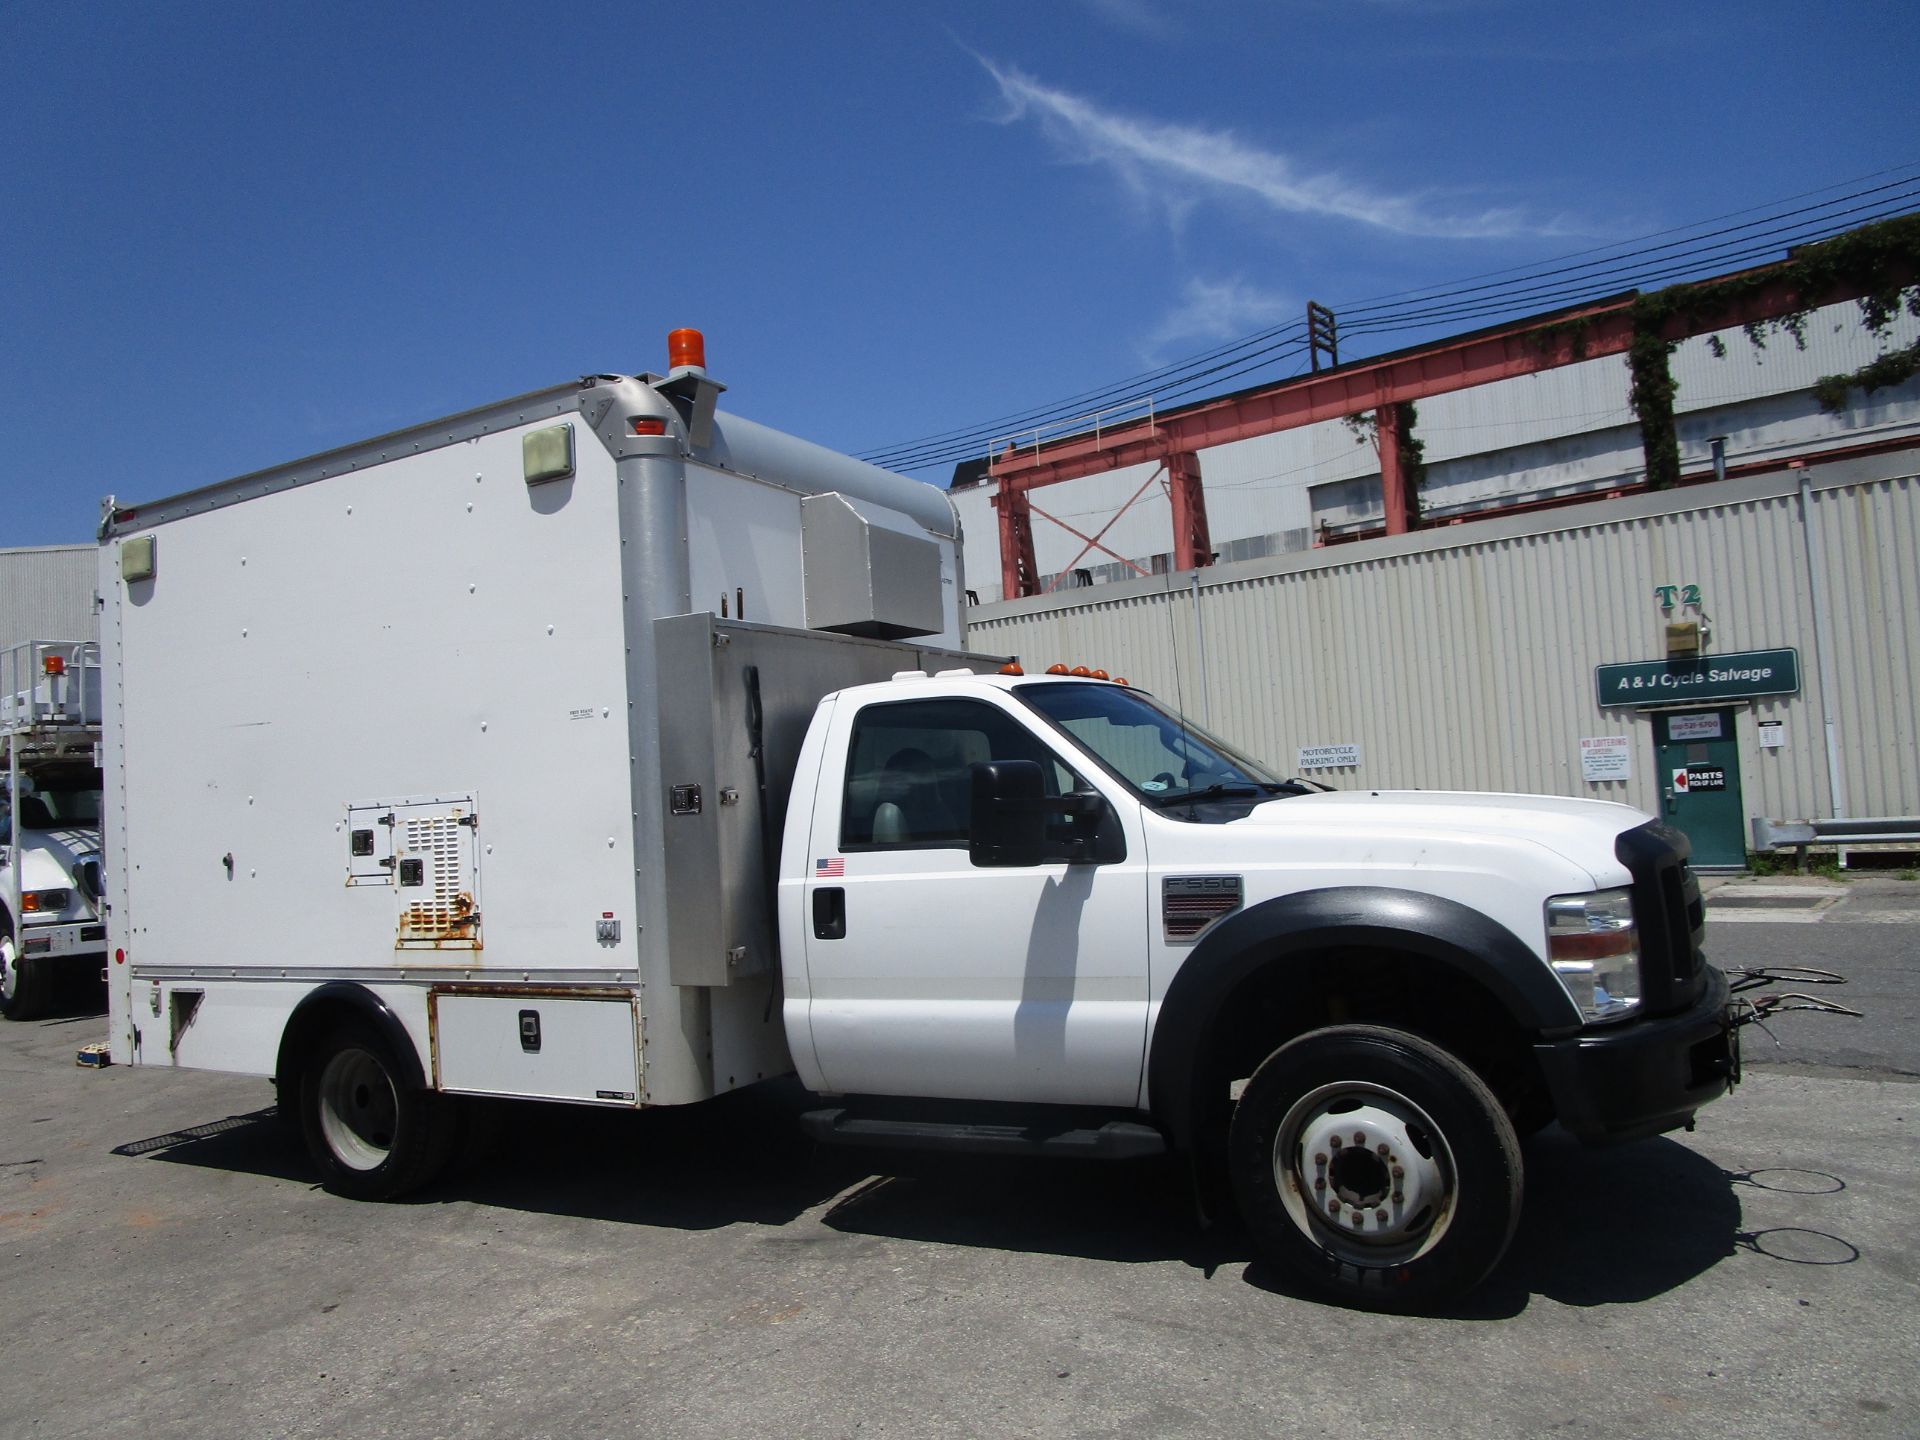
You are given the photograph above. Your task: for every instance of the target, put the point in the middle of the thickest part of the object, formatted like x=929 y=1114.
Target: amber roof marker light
x=686 y=350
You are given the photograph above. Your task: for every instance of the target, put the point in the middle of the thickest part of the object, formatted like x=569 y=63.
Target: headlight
x=45 y=902
x=1596 y=952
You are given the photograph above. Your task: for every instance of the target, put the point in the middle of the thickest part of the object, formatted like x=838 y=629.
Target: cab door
x=930 y=976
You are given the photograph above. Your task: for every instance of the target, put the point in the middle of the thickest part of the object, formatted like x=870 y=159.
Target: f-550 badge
x=1190 y=903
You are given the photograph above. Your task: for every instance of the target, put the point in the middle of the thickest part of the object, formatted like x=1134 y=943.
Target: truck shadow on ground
x=76 y=999
x=737 y=1159
x=1600 y=1227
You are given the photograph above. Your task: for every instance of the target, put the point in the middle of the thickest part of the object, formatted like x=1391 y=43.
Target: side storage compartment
x=731 y=727
x=542 y=1044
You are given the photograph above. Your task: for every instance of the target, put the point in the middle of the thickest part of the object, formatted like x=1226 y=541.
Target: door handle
x=830 y=913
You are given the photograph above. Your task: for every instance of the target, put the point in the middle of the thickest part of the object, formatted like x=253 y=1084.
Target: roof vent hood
x=865 y=577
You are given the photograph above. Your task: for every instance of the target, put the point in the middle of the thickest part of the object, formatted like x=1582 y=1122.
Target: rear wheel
x=1375 y=1166
x=371 y=1134
x=25 y=982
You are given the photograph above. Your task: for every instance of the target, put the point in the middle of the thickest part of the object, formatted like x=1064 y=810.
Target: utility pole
x=1322 y=334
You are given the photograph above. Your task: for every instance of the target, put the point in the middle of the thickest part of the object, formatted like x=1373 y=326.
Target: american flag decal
x=830 y=869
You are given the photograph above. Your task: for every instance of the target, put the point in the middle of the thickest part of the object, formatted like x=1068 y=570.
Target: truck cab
x=1052 y=890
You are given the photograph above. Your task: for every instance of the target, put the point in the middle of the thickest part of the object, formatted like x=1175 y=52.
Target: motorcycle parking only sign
x=1689 y=779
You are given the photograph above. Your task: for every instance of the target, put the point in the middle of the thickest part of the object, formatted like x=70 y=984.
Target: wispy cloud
x=1176 y=165
x=1210 y=311
x=1140 y=16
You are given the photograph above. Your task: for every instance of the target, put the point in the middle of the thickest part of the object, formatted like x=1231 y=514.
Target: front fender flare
x=1289 y=928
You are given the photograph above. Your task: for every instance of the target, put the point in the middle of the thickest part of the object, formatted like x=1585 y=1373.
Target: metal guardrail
x=1799 y=834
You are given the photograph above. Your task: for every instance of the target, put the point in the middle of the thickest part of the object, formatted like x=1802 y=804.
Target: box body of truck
x=415 y=720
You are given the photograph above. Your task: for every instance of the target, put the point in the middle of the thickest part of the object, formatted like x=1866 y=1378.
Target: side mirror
x=1013 y=821
x=1006 y=816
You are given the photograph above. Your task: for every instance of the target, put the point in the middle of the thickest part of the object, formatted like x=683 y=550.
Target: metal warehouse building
x=1472 y=657
x=46 y=593
x=1519 y=639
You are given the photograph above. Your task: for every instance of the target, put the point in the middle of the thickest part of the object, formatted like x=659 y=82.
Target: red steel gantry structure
x=1174 y=439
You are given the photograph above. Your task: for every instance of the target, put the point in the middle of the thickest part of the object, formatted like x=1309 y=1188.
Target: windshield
x=50 y=808
x=1163 y=757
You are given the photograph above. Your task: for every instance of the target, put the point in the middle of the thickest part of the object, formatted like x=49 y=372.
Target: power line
x=1545 y=285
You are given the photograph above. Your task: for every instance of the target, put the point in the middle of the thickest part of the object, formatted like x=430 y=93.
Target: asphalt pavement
x=168 y=1268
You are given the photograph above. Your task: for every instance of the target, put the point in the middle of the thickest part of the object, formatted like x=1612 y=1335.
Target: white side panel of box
x=588 y=1050
x=743 y=545
x=230 y=1025
x=428 y=626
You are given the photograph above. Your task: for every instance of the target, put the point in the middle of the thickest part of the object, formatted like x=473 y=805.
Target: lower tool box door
x=538 y=1044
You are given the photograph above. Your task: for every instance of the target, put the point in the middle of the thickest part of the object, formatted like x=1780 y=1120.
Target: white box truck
x=51 y=929
x=603 y=748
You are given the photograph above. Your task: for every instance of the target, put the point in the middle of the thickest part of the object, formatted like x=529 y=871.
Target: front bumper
x=67 y=939
x=1645 y=1077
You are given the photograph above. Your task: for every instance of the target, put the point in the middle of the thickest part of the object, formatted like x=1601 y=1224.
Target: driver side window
x=909 y=782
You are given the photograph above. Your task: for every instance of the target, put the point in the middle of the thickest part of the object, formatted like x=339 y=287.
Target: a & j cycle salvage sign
x=1734 y=676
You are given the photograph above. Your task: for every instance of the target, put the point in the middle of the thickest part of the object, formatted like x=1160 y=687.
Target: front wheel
x=26 y=984
x=1375 y=1166
x=372 y=1136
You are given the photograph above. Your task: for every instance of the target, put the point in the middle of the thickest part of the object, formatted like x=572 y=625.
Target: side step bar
x=1115 y=1140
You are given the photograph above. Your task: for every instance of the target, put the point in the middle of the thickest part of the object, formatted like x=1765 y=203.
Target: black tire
x=26 y=982
x=371 y=1135
x=1419 y=1210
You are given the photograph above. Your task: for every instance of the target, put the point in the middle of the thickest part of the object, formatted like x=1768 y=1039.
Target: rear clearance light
x=648 y=425
x=54 y=664
x=40 y=902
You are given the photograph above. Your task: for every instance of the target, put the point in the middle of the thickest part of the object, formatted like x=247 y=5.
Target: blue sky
x=235 y=234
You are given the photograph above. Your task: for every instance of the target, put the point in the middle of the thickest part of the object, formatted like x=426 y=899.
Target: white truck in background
x=603 y=748
x=51 y=929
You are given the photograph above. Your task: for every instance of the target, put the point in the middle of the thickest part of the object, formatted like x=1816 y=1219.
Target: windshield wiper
x=1217 y=791
x=1234 y=790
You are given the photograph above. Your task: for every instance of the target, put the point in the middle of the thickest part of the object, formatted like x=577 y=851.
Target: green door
x=1698 y=765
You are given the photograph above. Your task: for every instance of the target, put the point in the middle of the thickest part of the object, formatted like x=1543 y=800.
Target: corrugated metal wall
x=1465 y=658
x=1870 y=538
x=47 y=594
